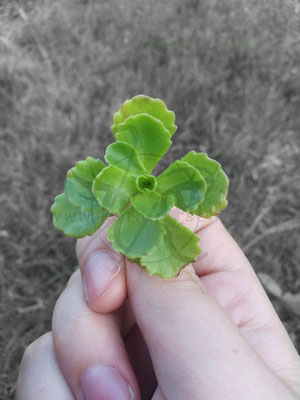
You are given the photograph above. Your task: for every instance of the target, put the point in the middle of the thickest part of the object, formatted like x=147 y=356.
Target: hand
x=211 y=333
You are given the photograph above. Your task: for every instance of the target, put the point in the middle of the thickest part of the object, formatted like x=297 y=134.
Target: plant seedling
x=125 y=186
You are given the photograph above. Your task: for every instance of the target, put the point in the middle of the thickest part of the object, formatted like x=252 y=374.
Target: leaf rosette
x=125 y=186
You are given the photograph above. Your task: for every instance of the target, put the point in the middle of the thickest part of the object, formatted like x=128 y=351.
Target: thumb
x=196 y=350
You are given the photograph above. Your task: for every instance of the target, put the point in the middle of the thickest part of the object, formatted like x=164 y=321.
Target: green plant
x=143 y=231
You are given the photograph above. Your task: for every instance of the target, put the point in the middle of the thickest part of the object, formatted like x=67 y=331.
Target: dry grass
x=231 y=72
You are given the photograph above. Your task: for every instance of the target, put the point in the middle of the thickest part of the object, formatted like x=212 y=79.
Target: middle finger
x=90 y=350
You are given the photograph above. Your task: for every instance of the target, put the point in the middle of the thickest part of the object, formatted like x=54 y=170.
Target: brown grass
x=231 y=72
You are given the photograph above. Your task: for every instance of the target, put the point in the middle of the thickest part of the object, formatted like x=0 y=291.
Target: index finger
x=229 y=277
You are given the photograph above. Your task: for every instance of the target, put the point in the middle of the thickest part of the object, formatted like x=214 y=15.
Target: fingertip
x=112 y=297
x=103 y=280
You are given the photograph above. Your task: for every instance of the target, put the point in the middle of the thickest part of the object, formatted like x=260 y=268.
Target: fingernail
x=101 y=382
x=99 y=271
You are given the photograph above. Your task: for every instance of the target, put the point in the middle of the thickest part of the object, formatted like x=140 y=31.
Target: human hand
x=210 y=333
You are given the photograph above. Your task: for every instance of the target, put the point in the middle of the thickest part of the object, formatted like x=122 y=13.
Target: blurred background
x=231 y=72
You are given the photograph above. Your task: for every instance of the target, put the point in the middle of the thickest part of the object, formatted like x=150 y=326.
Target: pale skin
x=209 y=334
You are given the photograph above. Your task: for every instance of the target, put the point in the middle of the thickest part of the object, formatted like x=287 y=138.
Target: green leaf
x=143 y=104
x=113 y=188
x=78 y=187
x=216 y=180
x=185 y=183
x=143 y=232
x=124 y=156
x=178 y=248
x=134 y=235
x=148 y=136
x=153 y=205
x=72 y=220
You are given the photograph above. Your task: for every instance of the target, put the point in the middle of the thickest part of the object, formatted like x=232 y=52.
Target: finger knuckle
x=73 y=277
x=40 y=346
x=188 y=286
x=75 y=330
